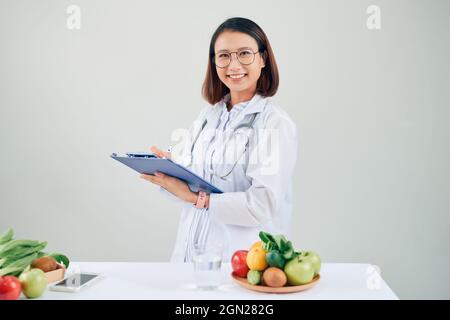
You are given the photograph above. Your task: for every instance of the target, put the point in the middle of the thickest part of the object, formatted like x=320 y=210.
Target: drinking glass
x=207 y=265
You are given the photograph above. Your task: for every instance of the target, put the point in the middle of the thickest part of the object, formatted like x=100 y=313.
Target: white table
x=132 y=280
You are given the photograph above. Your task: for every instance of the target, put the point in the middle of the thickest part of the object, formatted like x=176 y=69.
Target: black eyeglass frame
x=237 y=56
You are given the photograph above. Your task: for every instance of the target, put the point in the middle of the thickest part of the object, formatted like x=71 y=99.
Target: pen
x=169 y=149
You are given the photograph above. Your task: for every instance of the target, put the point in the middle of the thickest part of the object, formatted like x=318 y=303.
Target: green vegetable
x=42 y=254
x=280 y=240
x=16 y=267
x=4 y=248
x=278 y=243
x=275 y=259
x=254 y=277
x=7 y=236
x=264 y=237
x=20 y=252
x=17 y=255
x=60 y=258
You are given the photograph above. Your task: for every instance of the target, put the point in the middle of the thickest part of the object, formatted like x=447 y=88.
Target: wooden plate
x=287 y=289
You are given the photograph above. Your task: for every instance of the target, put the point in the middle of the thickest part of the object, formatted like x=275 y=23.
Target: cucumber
x=254 y=277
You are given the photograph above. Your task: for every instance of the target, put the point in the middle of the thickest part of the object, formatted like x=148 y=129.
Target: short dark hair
x=213 y=90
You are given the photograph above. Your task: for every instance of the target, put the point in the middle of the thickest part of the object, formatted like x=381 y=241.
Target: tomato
x=10 y=288
x=239 y=263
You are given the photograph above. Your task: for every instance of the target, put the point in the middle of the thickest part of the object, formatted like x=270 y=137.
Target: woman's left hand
x=173 y=185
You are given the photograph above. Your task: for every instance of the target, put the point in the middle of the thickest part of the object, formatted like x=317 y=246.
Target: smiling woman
x=240 y=74
x=229 y=148
x=253 y=70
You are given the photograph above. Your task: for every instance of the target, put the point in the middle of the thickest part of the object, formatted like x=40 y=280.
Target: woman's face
x=236 y=76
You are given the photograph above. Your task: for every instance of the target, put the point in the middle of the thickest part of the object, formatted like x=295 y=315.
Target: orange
x=256 y=259
x=256 y=244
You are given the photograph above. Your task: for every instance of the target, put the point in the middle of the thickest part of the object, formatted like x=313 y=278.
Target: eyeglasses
x=244 y=56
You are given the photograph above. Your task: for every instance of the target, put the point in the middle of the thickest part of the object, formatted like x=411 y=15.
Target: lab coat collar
x=213 y=115
x=255 y=105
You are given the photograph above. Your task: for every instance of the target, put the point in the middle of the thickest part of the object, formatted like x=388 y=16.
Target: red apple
x=239 y=263
x=10 y=288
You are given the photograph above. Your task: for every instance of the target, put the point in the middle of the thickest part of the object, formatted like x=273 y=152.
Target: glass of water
x=207 y=264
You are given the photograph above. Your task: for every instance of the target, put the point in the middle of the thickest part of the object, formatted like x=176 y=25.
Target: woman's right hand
x=174 y=185
x=159 y=153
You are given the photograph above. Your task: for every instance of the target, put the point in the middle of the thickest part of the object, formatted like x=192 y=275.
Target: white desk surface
x=175 y=281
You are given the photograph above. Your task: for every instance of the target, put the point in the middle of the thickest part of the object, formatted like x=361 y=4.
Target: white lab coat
x=258 y=191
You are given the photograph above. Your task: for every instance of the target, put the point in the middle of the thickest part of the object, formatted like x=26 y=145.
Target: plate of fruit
x=272 y=265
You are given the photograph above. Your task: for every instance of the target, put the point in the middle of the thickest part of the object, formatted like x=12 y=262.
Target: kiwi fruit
x=46 y=264
x=274 y=277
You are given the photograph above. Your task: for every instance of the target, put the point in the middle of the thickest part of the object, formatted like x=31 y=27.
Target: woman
x=244 y=145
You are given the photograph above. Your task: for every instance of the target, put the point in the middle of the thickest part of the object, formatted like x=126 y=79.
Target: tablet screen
x=77 y=280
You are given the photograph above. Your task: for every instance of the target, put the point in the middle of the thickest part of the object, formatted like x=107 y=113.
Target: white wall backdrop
x=371 y=106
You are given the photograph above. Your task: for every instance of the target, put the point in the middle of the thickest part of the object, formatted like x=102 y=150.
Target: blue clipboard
x=149 y=163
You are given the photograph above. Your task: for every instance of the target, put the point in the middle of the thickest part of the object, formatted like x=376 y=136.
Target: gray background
x=372 y=110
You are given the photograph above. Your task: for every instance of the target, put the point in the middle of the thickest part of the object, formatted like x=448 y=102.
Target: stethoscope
x=240 y=127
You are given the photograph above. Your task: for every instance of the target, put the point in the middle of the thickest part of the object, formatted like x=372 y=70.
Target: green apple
x=299 y=271
x=314 y=258
x=33 y=283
